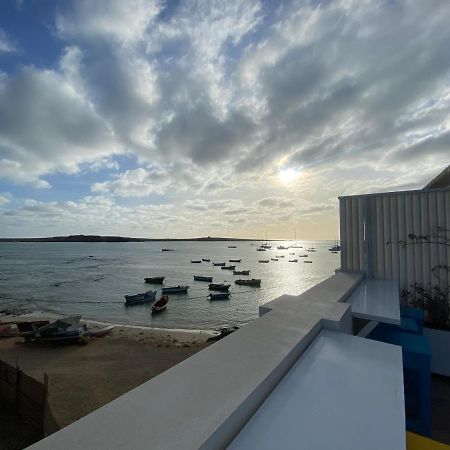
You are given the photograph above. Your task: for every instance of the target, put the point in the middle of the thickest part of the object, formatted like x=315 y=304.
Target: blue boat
x=145 y=297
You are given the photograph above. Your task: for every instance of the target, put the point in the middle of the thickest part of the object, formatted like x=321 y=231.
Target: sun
x=289 y=175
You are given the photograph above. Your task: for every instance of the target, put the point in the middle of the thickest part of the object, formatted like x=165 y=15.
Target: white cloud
x=5 y=197
x=6 y=45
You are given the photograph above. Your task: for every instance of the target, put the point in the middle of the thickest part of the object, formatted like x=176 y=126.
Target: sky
x=152 y=118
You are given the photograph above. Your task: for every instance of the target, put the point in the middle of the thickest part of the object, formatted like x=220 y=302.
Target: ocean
x=91 y=279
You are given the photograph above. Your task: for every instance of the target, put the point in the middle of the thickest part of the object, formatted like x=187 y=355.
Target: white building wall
x=369 y=222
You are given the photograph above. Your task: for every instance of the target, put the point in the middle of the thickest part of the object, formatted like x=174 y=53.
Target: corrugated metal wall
x=369 y=222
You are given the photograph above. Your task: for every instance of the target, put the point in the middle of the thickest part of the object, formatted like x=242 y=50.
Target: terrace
x=318 y=370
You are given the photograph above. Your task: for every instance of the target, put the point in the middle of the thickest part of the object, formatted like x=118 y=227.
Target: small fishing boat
x=274 y=259
x=241 y=272
x=147 y=296
x=232 y=246
x=264 y=261
x=196 y=261
x=206 y=259
x=99 y=330
x=201 y=278
x=235 y=260
x=154 y=280
x=293 y=260
x=302 y=256
x=228 y=267
x=292 y=253
x=253 y=282
x=68 y=329
x=175 y=289
x=11 y=329
x=167 y=250
x=160 y=305
x=309 y=262
x=221 y=296
x=219 y=287
x=336 y=248
x=218 y=264
x=335 y=252
x=282 y=247
x=260 y=249
x=280 y=256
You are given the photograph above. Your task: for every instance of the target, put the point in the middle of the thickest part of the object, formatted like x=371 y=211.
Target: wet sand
x=84 y=377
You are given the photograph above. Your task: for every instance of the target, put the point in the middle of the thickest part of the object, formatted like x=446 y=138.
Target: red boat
x=161 y=304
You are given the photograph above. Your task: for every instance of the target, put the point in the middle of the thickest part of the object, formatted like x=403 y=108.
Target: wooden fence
x=27 y=396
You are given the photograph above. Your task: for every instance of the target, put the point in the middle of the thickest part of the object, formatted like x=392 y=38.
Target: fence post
x=44 y=405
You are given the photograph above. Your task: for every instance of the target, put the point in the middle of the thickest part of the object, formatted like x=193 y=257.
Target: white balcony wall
x=369 y=222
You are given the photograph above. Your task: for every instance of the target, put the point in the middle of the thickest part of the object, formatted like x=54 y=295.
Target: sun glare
x=286 y=176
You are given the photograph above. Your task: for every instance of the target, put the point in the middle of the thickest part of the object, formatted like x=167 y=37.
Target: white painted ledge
x=344 y=393
x=204 y=401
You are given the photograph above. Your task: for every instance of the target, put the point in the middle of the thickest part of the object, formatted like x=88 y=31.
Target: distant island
x=95 y=238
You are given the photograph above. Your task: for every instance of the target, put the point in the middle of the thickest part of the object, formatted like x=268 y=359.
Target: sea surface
x=92 y=278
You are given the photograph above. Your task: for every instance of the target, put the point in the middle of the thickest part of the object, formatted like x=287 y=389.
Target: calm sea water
x=92 y=278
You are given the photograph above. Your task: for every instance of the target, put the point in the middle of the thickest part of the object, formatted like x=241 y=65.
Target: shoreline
x=184 y=335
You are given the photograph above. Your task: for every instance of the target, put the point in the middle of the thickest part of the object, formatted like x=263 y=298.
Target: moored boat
x=280 y=256
x=154 y=280
x=252 y=282
x=260 y=249
x=206 y=259
x=196 y=261
x=221 y=296
x=160 y=305
x=264 y=261
x=228 y=267
x=241 y=272
x=167 y=250
x=235 y=260
x=335 y=248
x=302 y=256
x=219 y=287
x=305 y=261
x=202 y=278
x=282 y=247
x=274 y=259
x=232 y=246
x=218 y=264
x=293 y=260
x=145 y=297
x=99 y=330
x=175 y=289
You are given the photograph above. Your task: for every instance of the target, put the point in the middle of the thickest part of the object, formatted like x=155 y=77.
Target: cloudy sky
x=233 y=118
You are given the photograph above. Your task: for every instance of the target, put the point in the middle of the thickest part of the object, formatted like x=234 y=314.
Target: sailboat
x=296 y=243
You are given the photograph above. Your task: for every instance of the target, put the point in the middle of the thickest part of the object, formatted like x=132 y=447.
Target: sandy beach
x=84 y=377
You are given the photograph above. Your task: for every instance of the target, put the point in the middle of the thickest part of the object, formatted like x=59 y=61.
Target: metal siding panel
x=393 y=205
x=348 y=212
x=372 y=235
x=425 y=231
x=434 y=246
x=387 y=237
x=380 y=239
x=409 y=249
x=343 y=233
x=361 y=219
x=416 y=230
x=401 y=235
x=355 y=231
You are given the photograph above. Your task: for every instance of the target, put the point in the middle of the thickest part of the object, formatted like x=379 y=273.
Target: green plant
x=434 y=300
